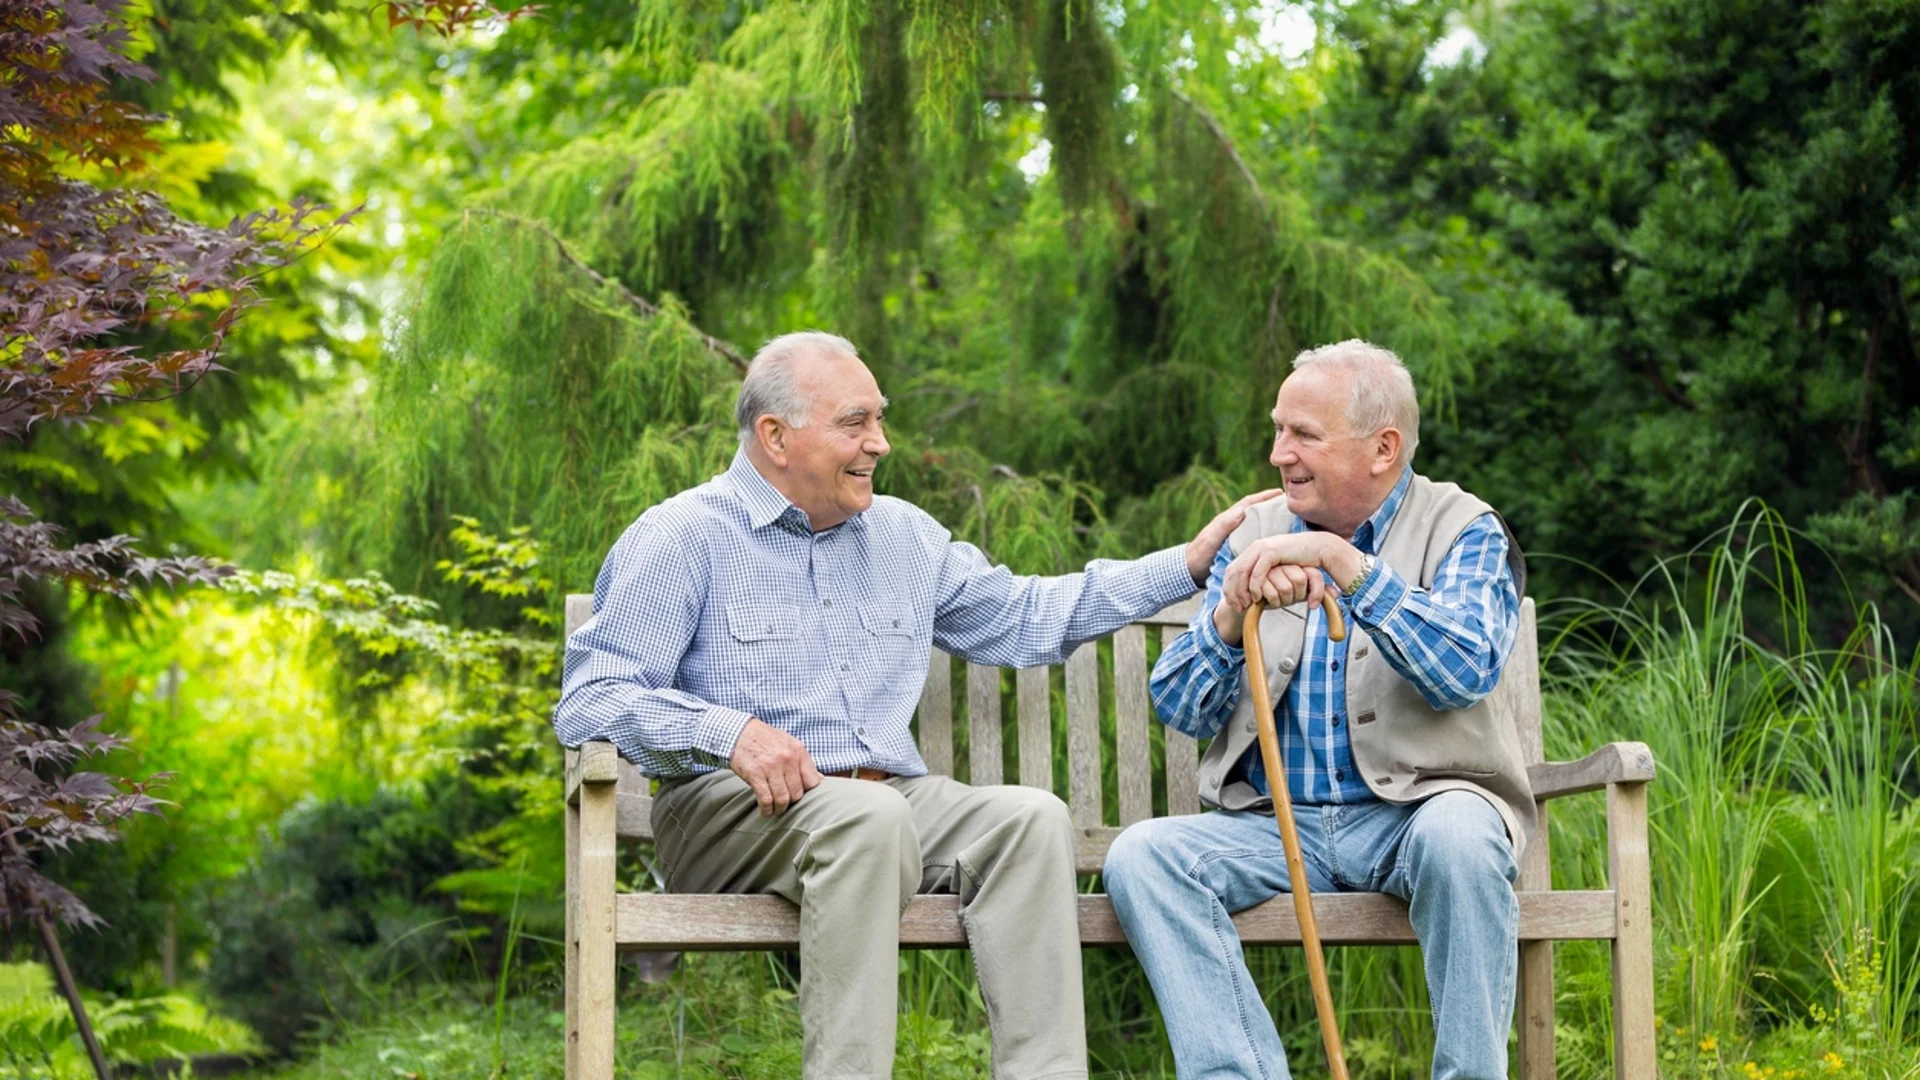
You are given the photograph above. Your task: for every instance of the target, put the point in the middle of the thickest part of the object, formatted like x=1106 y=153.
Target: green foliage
x=38 y=1040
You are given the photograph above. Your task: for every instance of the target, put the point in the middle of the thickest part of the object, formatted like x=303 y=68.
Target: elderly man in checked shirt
x=759 y=643
x=1403 y=780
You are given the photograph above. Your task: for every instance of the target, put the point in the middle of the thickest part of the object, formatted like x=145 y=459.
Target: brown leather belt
x=862 y=773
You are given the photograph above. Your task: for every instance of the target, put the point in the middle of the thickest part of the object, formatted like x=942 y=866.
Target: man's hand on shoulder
x=1203 y=547
x=775 y=764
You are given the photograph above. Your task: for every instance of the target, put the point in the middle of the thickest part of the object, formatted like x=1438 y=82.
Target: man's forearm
x=665 y=732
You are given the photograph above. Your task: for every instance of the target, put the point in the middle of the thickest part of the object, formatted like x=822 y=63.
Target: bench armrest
x=1614 y=763
x=594 y=763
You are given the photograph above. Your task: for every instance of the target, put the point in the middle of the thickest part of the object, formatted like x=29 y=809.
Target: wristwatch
x=1367 y=565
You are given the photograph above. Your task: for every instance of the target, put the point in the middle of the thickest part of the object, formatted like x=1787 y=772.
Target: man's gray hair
x=1383 y=394
x=770 y=387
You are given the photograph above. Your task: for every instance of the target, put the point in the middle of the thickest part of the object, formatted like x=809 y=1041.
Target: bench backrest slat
x=1133 y=760
x=1083 y=735
x=1036 y=726
x=936 y=715
x=1183 y=756
x=983 y=724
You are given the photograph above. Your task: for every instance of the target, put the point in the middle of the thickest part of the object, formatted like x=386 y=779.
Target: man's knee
x=1141 y=853
x=1039 y=818
x=1458 y=837
x=874 y=820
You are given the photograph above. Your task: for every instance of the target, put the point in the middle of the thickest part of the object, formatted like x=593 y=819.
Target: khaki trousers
x=850 y=853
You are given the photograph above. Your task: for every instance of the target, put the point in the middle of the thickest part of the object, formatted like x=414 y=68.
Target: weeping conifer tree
x=1080 y=363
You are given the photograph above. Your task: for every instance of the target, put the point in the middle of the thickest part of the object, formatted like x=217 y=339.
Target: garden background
x=1653 y=265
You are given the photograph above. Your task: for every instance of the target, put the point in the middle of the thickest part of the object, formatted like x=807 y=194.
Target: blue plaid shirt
x=1449 y=642
x=721 y=604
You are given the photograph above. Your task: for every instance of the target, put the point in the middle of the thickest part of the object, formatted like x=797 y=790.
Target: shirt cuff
x=1380 y=597
x=1168 y=579
x=1224 y=658
x=718 y=729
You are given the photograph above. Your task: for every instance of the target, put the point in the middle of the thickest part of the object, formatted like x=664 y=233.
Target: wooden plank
x=632 y=816
x=1083 y=735
x=1614 y=763
x=983 y=725
x=1179 y=613
x=579 y=610
x=571 y=949
x=1132 y=757
x=936 y=715
x=595 y=762
x=1629 y=874
x=1182 y=753
x=721 y=923
x=594 y=925
x=1090 y=844
x=1534 y=1009
x=1036 y=727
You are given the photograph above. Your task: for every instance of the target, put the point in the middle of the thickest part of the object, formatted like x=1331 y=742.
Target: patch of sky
x=1286 y=30
x=1035 y=164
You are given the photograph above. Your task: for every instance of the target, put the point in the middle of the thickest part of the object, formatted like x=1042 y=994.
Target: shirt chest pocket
x=751 y=623
x=888 y=619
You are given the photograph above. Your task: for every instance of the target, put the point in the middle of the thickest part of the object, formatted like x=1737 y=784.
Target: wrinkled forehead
x=838 y=384
x=1314 y=397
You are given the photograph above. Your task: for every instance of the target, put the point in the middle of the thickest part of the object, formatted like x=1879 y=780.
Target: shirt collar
x=765 y=505
x=1371 y=531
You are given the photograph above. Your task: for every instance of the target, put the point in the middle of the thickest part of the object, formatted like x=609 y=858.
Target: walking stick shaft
x=1289 y=832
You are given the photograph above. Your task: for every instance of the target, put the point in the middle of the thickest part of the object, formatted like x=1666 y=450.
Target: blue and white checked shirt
x=1450 y=643
x=721 y=604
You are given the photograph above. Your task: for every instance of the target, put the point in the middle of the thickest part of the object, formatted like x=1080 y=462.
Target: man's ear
x=771 y=433
x=1386 y=450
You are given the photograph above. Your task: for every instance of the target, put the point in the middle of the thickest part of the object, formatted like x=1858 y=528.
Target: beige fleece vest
x=1405 y=748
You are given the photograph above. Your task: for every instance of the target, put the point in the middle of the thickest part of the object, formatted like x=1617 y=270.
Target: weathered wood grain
x=1614 y=763
x=1132 y=757
x=727 y=923
x=1083 y=735
x=1035 y=702
x=983 y=725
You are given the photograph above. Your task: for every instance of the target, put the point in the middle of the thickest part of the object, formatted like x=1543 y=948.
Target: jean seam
x=1214 y=910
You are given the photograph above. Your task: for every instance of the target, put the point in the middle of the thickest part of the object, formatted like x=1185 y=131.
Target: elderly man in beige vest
x=1402 y=778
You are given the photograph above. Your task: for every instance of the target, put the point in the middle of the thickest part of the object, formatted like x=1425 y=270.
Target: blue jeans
x=1174 y=882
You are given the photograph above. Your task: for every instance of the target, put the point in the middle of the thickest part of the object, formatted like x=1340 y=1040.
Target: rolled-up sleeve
x=621 y=667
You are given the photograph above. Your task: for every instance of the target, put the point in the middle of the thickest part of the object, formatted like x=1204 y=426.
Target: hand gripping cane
x=1289 y=832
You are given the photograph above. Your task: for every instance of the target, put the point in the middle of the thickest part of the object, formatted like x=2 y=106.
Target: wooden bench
x=607 y=802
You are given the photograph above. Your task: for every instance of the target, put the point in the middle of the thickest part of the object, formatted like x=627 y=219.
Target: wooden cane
x=1290 y=832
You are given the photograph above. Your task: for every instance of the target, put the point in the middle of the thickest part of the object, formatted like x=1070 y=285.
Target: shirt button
x=846 y=667
x=860 y=731
x=826 y=603
x=896 y=624
x=769 y=628
x=1339 y=774
x=1337 y=720
x=1252 y=726
x=1336 y=665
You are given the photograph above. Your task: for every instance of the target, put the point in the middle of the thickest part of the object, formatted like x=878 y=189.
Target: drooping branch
x=639 y=303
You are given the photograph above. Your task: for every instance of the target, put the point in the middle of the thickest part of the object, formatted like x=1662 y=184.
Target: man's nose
x=877 y=444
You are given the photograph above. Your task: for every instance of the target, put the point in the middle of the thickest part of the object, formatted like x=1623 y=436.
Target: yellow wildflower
x=1833 y=1061
x=1709 y=1044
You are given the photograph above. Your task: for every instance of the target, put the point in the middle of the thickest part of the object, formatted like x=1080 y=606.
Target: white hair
x=770 y=387
x=1382 y=394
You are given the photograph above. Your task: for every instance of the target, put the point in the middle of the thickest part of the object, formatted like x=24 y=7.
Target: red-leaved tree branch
x=83 y=269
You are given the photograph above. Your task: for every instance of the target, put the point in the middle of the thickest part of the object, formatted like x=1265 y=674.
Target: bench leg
x=1629 y=870
x=590 y=937
x=1536 y=967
